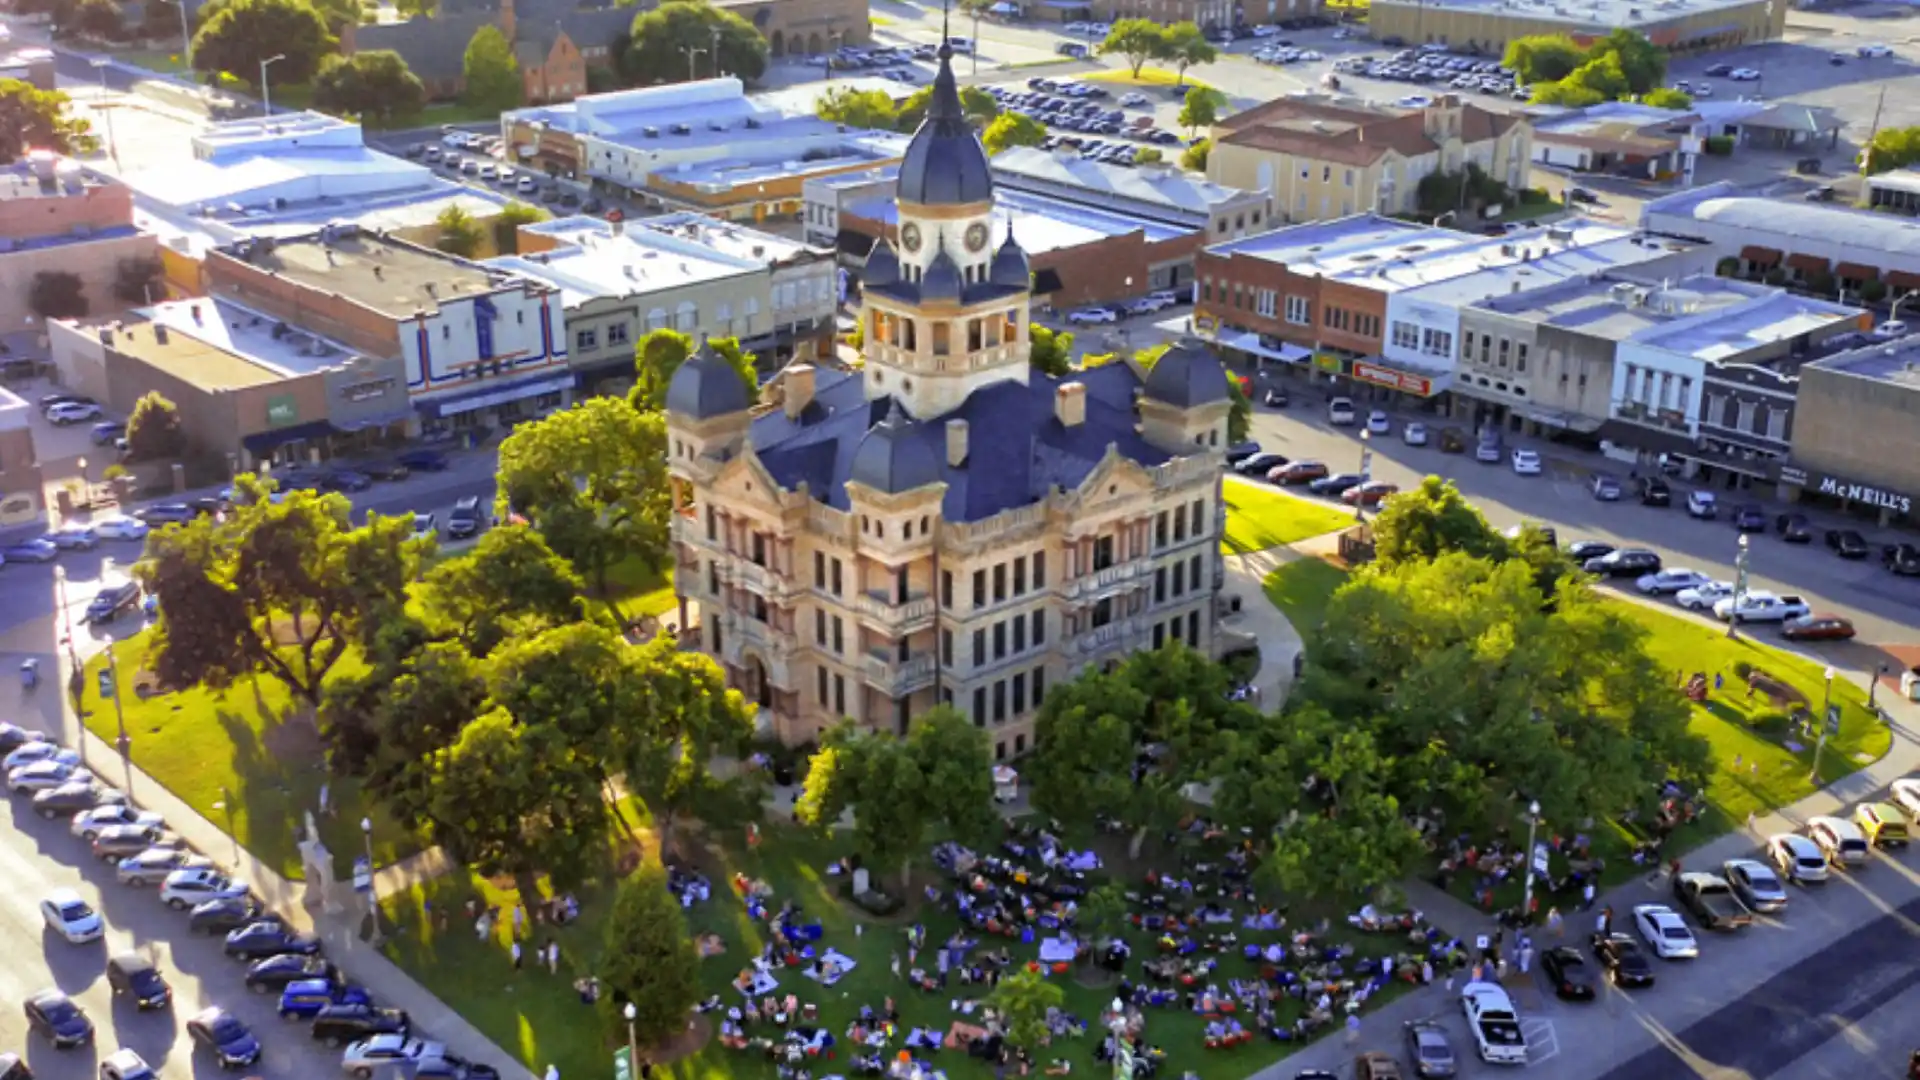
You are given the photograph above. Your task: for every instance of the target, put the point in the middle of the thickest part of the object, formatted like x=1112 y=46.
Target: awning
x=486 y=399
x=1809 y=264
x=1760 y=256
x=1851 y=271
x=1631 y=436
x=1579 y=423
x=398 y=416
x=1249 y=342
x=263 y=442
x=1047 y=282
x=1904 y=279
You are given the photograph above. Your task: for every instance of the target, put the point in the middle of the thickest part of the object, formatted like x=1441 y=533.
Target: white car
x=42 y=775
x=1266 y=31
x=1873 y=52
x=88 y=823
x=1840 y=841
x=424 y=526
x=124 y=1064
x=1702 y=505
x=185 y=888
x=120 y=527
x=155 y=863
x=1906 y=796
x=1671 y=581
x=1340 y=412
x=1760 y=607
x=1494 y=1024
x=1093 y=316
x=1744 y=75
x=71 y=917
x=1798 y=859
x=1378 y=423
x=1414 y=434
x=1414 y=101
x=1526 y=463
x=26 y=755
x=1702 y=597
x=1665 y=932
x=73 y=412
x=1134 y=100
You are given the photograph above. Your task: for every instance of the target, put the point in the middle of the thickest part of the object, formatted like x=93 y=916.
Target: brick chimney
x=1070 y=404
x=798 y=383
x=956 y=443
x=507 y=21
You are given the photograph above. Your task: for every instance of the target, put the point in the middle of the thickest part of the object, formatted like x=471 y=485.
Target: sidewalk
x=1257 y=618
x=336 y=918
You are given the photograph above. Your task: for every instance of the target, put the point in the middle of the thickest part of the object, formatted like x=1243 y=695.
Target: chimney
x=956 y=443
x=799 y=387
x=159 y=333
x=1070 y=404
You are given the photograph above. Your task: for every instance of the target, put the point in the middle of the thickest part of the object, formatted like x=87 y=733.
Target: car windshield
x=75 y=911
x=1675 y=933
x=59 y=1010
x=227 y=1029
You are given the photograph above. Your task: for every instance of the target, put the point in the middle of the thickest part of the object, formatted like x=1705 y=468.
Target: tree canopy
x=1138 y=40
x=153 y=429
x=844 y=104
x=1201 y=108
x=58 y=294
x=1184 y=46
x=1666 y=97
x=1561 y=71
x=658 y=37
x=1050 y=350
x=509 y=582
x=36 y=119
x=660 y=354
x=1892 y=148
x=375 y=83
x=1013 y=129
x=647 y=958
x=239 y=34
x=491 y=71
x=978 y=105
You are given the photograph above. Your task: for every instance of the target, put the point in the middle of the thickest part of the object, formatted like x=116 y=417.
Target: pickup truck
x=1712 y=901
x=1494 y=1023
x=1761 y=607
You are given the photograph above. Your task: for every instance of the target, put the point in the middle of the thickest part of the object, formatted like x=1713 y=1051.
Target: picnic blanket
x=1058 y=950
x=761 y=984
x=831 y=968
x=924 y=1039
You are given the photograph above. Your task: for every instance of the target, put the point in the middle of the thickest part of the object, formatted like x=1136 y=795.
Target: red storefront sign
x=1398 y=380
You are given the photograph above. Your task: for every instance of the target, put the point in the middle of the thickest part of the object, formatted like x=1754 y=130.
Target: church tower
x=946 y=311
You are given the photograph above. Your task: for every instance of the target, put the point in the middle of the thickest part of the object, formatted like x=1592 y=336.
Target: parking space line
x=1543 y=1043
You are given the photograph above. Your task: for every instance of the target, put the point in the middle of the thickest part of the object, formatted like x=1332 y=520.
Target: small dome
x=705 y=386
x=891 y=459
x=945 y=164
x=943 y=280
x=883 y=266
x=1010 y=267
x=1186 y=375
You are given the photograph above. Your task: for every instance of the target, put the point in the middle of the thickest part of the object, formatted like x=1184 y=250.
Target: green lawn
x=1768 y=773
x=245 y=748
x=161 y=60
x=634 y=589
x=537 y=1016
x=1149 y=76
x=1263 y=517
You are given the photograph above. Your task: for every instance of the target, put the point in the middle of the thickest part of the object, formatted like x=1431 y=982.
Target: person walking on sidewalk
x=515 y=951
x=553 y=957
x=1555 y=924
x=1353 y=1028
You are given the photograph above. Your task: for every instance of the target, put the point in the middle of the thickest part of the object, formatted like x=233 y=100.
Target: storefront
x=1803 y=485
x=502 y=404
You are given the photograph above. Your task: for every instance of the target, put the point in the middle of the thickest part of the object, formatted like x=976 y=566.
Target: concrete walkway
x=1258 y=619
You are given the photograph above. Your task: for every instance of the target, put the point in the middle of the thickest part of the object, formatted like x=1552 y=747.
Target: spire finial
x=946 y=7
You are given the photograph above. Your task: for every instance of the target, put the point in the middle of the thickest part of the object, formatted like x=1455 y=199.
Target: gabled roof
x=435 y=46
x=1355 y=136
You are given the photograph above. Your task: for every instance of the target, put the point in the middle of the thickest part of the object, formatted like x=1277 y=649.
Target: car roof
x=1749 y=866
x=209 y=1014
x=1840 y=827
x=64 y=896
x=1655 y=911
x=1795 y=842
x=130 y=962
x=48 y=996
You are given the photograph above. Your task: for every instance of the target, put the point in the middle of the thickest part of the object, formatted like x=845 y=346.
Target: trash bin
x=1910 y=684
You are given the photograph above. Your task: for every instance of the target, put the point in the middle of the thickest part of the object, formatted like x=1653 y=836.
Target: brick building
x=22 y=489
x=55 y=217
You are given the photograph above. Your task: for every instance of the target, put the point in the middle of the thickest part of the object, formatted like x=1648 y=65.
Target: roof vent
x=159 y=333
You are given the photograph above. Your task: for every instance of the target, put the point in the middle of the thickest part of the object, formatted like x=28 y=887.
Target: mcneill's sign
x=1861 y=493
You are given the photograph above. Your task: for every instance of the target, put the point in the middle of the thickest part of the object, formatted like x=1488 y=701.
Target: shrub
x=1742 y=670
x=1719 y=145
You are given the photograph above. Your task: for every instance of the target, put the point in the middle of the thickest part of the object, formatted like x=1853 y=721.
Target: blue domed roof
x=945 y=164
x=1010 y=267
x=891 y=459
x=883 y=266
x=943 y=280
x=705 y=386
x=1186 y=375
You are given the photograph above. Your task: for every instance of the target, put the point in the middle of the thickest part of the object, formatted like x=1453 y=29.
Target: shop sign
x=1861 y=493
x=366 y=391
x=1328 y=362
x=282 y=411
x=1398 y=380
x=1203 y=324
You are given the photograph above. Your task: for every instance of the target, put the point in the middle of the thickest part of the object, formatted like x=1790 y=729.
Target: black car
x=346 y=480
x=218 y=1030
x=1902 y=558
x=1626 y=562
x=1239 y=452
x=66 y=800
x=1750 y=518
x=221 y=916
x=452 y=1067
x=1720 y=71
x=1334 y=485
x=275 y=972
x=53 y=1014
x=166 y=514
x=1582 y=550
x=136 y=976
x=338 y=1025
x=423 y=460
x=1257 y=465
x=1625 y=961
x=12 y=1068
x=1848 y=544
x=112 y=601
x=13 y=737
x=1568 y=971
x=269 y=937
x=1655 y=492
x=386 y=470
x=208 y=505
x=1794 y=528
x=466 y=519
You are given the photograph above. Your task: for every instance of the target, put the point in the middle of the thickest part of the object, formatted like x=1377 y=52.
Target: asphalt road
x=38 y=856
x=1883 y=607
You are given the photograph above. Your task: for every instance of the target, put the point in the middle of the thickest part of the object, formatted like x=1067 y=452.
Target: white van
x=1340 y=412
x=1841 y=840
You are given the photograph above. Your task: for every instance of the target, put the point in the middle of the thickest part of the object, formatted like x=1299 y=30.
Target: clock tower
x=946 y=312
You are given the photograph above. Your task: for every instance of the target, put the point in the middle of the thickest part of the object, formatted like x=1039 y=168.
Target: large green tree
x=240 y=34
x=1184 y=46
x=1643 y=64
x=659 y=38
x=32 y=118
x=491 y=72
x=1543 y=58
x=1051 y=351
x=1023 y=1001
x=1892 y=148
x=844 y=104
x=1201 y=108
x=510 y=582
x=647 y=959
x=376 y=83
x=682 y=718
x=1013 y=129
x=153 y=429
x=660 y=354
x=385 y=724
x=1138 y=40
x=592 y=479
x=1429 y=521
x=978 y=105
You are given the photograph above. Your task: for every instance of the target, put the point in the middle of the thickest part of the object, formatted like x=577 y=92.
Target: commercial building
x=1793 y=242
x=1318 y=160
x=1378 y=299
x=246 y=384
x=23 y=497
x=824 y=198
x=1613 y=137
x=32 y=66
x=1896 y=192
x=1157 y=192
x=56 y=217
x=477 y=344
x=1678 y=26
x=944 y=525
x=619 y=282
x=706 y=146
x=1855 y=439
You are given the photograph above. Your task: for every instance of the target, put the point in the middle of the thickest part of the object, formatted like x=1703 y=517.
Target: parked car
x=1622 y=958
x=303 y=1000
x=1756 y=884
x=1711 y=901
x=1567 y=970
x=72 y=918
x=116 y=842
x=184 y=889
x=1655 y=492
x=35 y=751
x=423 y=460
x=77 y=794
x=1378 y=422
x=1750 y=518
x=1670 y=581
x=1759 y=606
x=1488 y=452
x=466 y=519
x=345 y=480
x=108 y=433
x=1625 y=562
x=1665 y=932
x=165 y=514
x=231 y=1043
x=1093 y=316
x=89 y=823
x=1817 y=628
x=1371 y=493
x=1340 y=412
x=1703 y=597
x=155 y=863
x=72 y=412
x=36 y=550
x=1336 y=485
x=1526 y=462
x=1798 y=859
x=1430 y=1050
x=1241 y=451
x=362 y=1059
x=1299 y=472
x=120 y=527
x=1453 y=441
x=1494 y=1023
x=1882 y=823
x=1582 y=550
x=1702 y=505
x=1848 y=544
x=124 y=1064
x=132 y=974
x=1794 y=528
x=13 y=737
x=277 y=972
x=1902 y=558
x=73 y=538
x=269 y=937
x=112 y=601
x=57 y=1017
x=1606 y=487
x=385 y=470
x=1414 y=433
x=1839 y=840
x=338 y=1025
x=1259 y=464
x=221 y=916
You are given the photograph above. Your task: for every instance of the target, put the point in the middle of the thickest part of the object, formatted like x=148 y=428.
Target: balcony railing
x=1117 y=576
x=895 y=677
x=1117 y=634
x=905 y=616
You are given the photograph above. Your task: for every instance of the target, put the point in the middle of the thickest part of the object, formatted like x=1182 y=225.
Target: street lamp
x=266 y=96
x=373 y=894
x=633 y=1044
x=1873 y=687
x=1739 y=587
x=694 y=52
x=1366 y=466
x=76 y=678
x=1533 y=825
x=1825 y=720
x=112 y=683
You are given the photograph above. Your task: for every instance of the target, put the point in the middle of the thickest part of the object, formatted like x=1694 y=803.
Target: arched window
x=685 y=316
x=656 y=319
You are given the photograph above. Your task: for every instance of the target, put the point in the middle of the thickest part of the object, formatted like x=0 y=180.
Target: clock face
x=976 y=237
x=910 y=237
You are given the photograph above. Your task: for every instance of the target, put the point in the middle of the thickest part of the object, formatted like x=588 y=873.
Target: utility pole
x=716 y=52
x=1866 y=150
x=693 y=54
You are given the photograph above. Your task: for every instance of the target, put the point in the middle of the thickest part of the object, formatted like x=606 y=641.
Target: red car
x=1371 y=493
x=1299 y=472
x=1817 y=628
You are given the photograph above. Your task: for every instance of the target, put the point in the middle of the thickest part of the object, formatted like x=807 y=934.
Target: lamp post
x=225 y=806
x=694 y=52
x=1533 y=826
x=100 y=64
x=76 y=678
x=633 y=1044
x=266 y=96
x=110 y=687
x=716 y=52
x=1366 y=466
x=373 y=894
x=1826 y=725
x=86 y=482
x=1739 y=587
x=186 y=38
x=1873 y=687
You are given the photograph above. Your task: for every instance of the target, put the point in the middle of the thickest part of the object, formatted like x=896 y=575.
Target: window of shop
x=1264 y=302
x=1436 y=342
x=1299 y=311
x=617 y=333
x=584 y=340
x=1405 y=335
